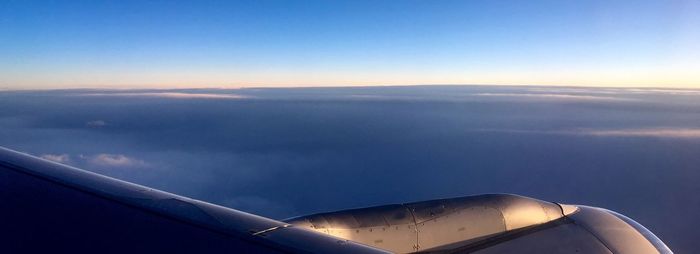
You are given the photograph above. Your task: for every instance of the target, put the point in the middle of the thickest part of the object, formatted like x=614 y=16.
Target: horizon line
x=237 y=87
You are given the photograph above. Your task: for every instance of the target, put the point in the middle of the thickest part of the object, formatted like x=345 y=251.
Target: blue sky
x=174 y=44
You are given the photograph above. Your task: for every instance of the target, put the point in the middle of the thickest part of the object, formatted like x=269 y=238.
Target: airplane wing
x=47 y=207
x=50 y=207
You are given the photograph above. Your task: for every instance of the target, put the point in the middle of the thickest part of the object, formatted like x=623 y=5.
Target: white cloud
x=60 y=158
x=677 y=133
x=659 y=91
x=174 y=95
x=554 y=96
x=616 y=90
x=116 y=160
x=658 y=133
x=575 y=90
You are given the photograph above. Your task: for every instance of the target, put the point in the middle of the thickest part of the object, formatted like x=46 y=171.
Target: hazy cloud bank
x=286 y=152
x=100 y=160
x=171 y=95
x=60 y=158
x=660 y=132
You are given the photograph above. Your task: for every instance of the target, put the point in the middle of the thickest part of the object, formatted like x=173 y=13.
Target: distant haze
x=288 y=152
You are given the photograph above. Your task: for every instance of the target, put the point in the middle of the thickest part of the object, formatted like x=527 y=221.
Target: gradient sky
x=167 y=44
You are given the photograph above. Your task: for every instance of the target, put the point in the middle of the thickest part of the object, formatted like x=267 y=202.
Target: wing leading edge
x=47 y=206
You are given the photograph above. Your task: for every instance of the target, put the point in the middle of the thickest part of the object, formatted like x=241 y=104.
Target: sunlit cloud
x=172 y=95
x=615 y=90
x=60 y=158
x=554 y=96
x=657 y=133
x=115 y=160
x=558 y=90
x=675 y=133
x=660 y=91
x=536 y=94
x=99 y=160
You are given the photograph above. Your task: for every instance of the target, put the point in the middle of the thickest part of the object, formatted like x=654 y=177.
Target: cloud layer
x=659 y=132
x=116 y=160
x=60 y=158
x=287 y=152
x=102 y=160
x=554 y=96
x=172 y=95
x=682 y=133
